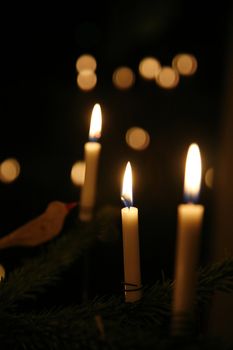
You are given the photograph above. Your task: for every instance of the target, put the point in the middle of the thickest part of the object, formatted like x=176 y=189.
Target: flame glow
x=123 y=78
x=9 y=170
x=78 y=173
x=193 y=169
x=149 y=67
x=96 y=123
x=84 y=62
x=86 y=80
x=137 y=138
x=127 y=187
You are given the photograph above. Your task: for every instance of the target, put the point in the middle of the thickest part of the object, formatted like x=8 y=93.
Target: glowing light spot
x=9 y=170
x=193 y=171
x=86 y=62
x=149 y=68
x=168 y=78
x=78 y=173
x=137 y=138
x=86 y=80
x=96 y=122
x=123 y=78
x=209 y=177
x=185 y=64
x=2 y=273
x=127 y=186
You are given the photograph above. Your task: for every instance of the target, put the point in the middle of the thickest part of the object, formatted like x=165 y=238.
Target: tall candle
x=92 y=152
x=190 y=216
x=131 y=251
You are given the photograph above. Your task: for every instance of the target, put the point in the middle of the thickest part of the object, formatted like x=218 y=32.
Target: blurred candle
x=131 y=252
x=92 y=152
x=190 y=217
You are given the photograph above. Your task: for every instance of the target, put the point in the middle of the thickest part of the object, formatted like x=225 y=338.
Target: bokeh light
x=149 y=67
x=137 y=138
x=86 y=80
x=168 y=78
x=78 y=173
x=9 y=170
x=209 y=177
x=123 y=77
x=86 y=62
x=185 y=64
x=2 y=272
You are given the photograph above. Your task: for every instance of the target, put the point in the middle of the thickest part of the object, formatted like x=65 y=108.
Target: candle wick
x=190 y=199
x=127 y=202
x=93 y=139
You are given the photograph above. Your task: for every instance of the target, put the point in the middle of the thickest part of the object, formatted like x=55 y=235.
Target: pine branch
x=140 y=325
x=215 y=277
x=46 y=268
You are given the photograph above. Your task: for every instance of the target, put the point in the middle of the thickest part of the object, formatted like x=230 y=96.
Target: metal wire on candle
x=131 y=285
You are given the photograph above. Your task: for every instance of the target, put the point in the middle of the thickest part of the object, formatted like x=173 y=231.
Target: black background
x=45 y=117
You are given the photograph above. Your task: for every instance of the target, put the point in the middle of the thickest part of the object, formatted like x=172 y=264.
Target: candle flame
x=96 y=123
x=193 y=169
x=127 y=191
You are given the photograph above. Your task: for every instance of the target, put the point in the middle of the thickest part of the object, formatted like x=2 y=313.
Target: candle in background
x=92 y=152
x=131 y=252
x=190 y=217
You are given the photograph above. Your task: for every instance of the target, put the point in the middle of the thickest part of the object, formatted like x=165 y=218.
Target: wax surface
x=132 y=272
x=187 y=254
x=88 y=193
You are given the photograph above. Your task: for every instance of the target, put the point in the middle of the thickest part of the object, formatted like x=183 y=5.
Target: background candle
x=129 y=214
x=188 y=233
x=92 y=151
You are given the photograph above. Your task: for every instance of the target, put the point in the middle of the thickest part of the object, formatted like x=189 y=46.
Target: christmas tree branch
x=46 y=268
x=215 y=277
x=110 y=323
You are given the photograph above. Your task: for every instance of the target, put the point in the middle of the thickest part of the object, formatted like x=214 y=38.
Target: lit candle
x=129 y=214
x=92 y=152
x=190 y=217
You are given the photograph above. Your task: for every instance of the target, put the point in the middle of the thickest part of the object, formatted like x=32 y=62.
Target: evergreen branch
x=215 y=277
x=139 y=325
x=75 y=327
x=45 y=269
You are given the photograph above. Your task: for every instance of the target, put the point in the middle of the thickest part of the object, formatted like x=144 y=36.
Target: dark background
x=45 y=117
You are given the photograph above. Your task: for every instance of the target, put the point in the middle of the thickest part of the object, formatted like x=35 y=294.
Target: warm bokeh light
x=167 y=78
x=149 y=67
x=86 y=80
x=86 y=62
x=9 y=170
x=137 y=138
x=185 y=64
x=123 y=78
x=127 y=187
x=193 y=169
x=78 y=173
x=209 y=177
x=2 y=273
x=96 y=122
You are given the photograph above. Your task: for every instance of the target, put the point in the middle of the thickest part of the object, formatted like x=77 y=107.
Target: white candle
x=92 y=152
x=131 y=251
x=190 y=218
